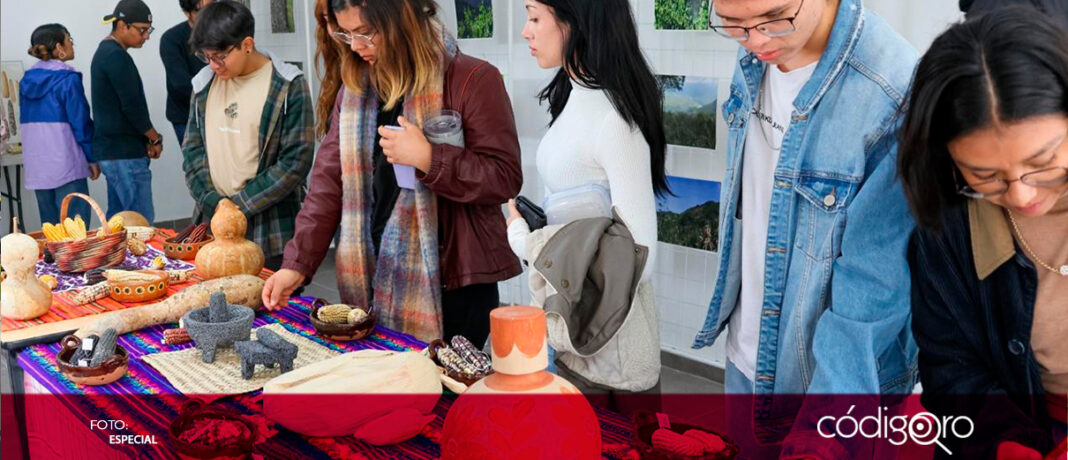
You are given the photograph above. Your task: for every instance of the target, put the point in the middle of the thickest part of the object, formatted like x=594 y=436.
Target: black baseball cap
x=130 y=11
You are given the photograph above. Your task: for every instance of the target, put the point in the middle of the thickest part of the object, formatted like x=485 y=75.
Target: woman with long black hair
x=607 y=132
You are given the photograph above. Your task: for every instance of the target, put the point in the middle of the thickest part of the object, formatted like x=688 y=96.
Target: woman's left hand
x=407 y=146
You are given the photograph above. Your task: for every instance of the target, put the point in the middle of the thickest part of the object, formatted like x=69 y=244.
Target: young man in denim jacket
x=813 y=279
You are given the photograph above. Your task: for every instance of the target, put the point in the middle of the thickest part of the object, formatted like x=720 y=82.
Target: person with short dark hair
x=57 y=133
x=124 y=141
x=984 y=162
x=251 y=129
x=181 y=66
x=812 y=282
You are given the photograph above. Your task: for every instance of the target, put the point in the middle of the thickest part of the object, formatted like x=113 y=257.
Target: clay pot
x=521 y=410
x=111 y=370
x=184 y=251
x=342 y=332
x=140 y=291
x=193 y=411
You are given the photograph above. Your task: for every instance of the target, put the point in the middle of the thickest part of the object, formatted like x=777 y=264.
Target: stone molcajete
x=218 y=325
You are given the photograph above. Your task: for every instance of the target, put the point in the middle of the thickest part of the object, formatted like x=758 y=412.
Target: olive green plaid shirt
x=272 y=198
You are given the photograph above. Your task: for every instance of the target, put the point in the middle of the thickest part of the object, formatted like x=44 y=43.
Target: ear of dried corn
x=91 y=294
x=123 y=276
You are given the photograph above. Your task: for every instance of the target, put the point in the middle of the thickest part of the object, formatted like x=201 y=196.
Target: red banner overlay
x=494 y=426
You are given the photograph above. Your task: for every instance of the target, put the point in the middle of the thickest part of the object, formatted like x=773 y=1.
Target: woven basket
x=93 y=252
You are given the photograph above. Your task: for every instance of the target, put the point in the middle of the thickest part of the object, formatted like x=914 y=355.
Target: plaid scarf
x=405 y=277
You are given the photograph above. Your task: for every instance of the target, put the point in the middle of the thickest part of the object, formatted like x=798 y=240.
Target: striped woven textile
x=63 y=308
x=145 y=396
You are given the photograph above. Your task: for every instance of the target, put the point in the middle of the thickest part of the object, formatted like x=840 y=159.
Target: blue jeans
x=739 y=406
x=49 y=202
x=129 y=186
x=179 y=130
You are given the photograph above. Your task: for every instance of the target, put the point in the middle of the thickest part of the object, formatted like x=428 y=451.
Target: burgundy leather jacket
x=471 y=184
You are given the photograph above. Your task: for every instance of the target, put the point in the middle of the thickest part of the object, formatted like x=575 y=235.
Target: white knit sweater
x=590 y=143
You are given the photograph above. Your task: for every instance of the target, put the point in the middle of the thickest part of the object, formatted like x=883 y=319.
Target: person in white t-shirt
x=813 y=283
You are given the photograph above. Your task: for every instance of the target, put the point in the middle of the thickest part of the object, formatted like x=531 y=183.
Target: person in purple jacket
x=57 y=132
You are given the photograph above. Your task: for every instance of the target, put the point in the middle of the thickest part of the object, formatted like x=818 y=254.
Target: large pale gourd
x=230 y=253
x=22 y=295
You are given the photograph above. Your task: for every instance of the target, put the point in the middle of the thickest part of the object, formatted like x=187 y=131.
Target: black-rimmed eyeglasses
x=771 y=29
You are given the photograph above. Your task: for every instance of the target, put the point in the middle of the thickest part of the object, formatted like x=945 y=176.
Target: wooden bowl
x=645 y=424
x=142 y=291
x=342 y=332
x=109 y=371
x=194 y=410
x=466 y=379
x=183 y=251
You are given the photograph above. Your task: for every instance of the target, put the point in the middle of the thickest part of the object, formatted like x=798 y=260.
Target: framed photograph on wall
x=690 y=106
x=474 y=19
x=690 y=218
x=681 y=14
x=282 y=20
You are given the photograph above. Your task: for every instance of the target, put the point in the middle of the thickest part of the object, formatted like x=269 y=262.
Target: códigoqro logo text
x=923 y=428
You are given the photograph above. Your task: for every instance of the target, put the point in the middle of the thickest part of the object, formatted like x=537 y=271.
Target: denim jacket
x=836 y=283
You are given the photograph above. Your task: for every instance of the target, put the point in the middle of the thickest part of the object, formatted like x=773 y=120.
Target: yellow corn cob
x=50 y=281
x=116 y=224
x=137 y=247
x=81 y=226
x=334 y=314
x=72 y=229
x=49 y=232
x=158 y=263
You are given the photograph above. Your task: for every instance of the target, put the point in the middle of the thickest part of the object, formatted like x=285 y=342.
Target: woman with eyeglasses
x=984 y=162
x=426 y=252
x=250 y=129
x=57 y=133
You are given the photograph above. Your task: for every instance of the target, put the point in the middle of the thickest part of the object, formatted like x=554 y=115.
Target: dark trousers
x=50 y=201
x=465 y=311
x=179 y=130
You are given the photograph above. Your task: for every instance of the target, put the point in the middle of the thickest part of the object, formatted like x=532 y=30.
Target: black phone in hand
x=531 y=212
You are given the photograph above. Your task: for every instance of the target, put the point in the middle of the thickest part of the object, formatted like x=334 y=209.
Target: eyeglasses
x=771 y=29
x=144 y=30
x=217 y=58
x=348 y=39
x=1044 y=178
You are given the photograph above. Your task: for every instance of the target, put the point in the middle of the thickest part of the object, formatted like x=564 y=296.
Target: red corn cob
x=176 y=336
x=712 y=442
x=670 y=441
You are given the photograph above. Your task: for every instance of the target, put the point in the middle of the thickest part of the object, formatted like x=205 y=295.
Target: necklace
x=1063 y=270
x=760 y=118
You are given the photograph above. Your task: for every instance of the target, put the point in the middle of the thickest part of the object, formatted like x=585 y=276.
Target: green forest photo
x=690 y=218
x=682 y=14
x=474 y=18
x=689 y=110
